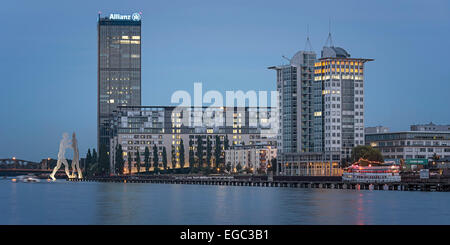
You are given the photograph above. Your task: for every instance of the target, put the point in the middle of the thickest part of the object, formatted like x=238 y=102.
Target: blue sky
x=48 y=58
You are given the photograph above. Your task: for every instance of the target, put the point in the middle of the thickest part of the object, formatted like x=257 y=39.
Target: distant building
x=138 y=127
x=411 y=146
x=256 y=156
x=376 y=130
x=430 y=127
x=48 y=163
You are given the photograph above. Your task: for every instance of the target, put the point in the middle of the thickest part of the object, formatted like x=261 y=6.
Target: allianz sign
x=134 y=17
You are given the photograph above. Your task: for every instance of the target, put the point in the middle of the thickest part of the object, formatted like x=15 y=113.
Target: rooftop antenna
x=329 y=39
x=308 y=45
x=286 y=58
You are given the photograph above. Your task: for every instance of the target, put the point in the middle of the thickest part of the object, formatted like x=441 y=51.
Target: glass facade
x=119 y=70
x=338 y=104
x=294 y=84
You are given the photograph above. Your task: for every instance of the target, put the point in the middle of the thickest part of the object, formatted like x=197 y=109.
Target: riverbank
x=322 y=182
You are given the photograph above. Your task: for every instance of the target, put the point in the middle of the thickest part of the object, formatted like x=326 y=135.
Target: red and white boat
x=365 y=171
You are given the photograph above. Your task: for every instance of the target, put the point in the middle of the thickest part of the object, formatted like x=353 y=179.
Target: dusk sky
x=49 y=58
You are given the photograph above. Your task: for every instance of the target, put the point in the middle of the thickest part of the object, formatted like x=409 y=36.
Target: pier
x=317 y=182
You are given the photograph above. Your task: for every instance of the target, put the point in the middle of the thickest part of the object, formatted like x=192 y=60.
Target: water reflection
x=118 y=203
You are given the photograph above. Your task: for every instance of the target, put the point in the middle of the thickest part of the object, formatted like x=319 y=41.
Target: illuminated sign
x=134 y=17
x=416 y=161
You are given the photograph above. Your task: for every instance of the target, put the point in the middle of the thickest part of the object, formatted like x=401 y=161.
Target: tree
x=116 y=156
x=94 y=155
x=435 y=157
x=155 y=159
x=191 y=154
x=138 y=162
x=200 y=151
x=181 y=154
x=249 y=167
x=94 y=162
x=130 y=165
x=228 y=167
x=226 y=143
x=147 y=159
x=366 y=152
x=87 y=162
x=239 y=167
x=103 y=160
x=208 y=151
x=273 y=165
x=164 y=158
x=217 y=151
x=346 y=161
x=173 y=157
x=119 y=160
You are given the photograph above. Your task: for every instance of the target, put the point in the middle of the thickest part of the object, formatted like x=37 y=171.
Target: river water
x=63 y=202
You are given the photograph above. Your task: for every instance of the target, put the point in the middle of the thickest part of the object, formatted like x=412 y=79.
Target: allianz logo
x=134 y=17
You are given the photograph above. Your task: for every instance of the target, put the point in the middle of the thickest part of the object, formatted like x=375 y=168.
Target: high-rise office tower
x=119 y=68
x=294 y=85
x=338 y=102
x=321 y=105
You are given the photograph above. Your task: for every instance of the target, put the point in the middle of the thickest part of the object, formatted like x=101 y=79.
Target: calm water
x=64 y=202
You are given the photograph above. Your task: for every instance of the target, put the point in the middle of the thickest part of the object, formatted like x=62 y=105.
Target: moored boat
x=365 y=171
x=26 y=178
